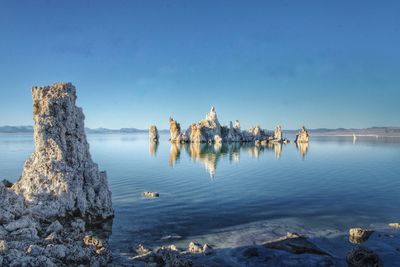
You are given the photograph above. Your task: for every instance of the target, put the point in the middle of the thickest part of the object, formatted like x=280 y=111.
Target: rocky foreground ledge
x=58 y=213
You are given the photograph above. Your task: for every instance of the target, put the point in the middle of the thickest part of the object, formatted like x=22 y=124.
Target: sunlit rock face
x=195 y=134
x=207 y=130
x=302 y=136
x=175 y=132
x=153 y=134
x=60 y=177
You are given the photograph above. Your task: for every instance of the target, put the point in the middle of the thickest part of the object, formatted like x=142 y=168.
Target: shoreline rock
x=44 y=214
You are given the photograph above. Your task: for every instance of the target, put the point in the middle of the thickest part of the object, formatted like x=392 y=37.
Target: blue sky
x=135 y=63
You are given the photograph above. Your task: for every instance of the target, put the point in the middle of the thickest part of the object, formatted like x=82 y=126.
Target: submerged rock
x=153 y=134
x=359 y=235
x=361 y=257
x=60 y=176
x=295 y=243
x=302 y=136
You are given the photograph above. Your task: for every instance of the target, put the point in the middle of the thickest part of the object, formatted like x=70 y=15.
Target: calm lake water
x=229 y=195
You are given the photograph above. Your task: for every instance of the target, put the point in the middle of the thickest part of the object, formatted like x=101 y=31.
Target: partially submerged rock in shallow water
x=394 y=225
x=151 y=194
x=359 y=235
x=295 y=243
x=197 y=248
x=141 y=250
x=361 y=257
x=168 y=256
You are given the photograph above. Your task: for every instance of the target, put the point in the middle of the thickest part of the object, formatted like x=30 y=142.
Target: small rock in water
x=141 y=250
x=195 y=248
x=394 y=225
x=359 y=235
x=361 y=257
x=151 y=194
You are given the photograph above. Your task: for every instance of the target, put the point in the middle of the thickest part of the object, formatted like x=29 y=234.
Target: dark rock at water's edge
x=7 y=183
x=58 y=213
x=361 y=257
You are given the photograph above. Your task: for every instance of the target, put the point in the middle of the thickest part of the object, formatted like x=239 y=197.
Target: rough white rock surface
x=59 y=180
x=60 y=177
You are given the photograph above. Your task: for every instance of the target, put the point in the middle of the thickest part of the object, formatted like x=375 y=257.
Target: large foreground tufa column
x=60 y=177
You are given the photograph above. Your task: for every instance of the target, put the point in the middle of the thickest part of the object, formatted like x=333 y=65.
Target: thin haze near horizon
x=324 y=64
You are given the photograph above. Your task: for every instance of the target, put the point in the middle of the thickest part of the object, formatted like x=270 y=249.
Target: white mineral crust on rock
x=60 y=177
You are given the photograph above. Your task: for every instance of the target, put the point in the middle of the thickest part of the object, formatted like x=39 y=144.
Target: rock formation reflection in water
x=210 y=154
x=302 y=148
x=153 y=147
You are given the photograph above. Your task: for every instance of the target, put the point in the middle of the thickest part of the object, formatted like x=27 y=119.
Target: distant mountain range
x=373 y=131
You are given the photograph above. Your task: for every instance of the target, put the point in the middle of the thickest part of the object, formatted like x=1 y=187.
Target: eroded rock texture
x=60 y=177
x=43 y=216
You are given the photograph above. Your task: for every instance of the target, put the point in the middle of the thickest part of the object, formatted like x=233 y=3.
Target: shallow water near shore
x=237 y=195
